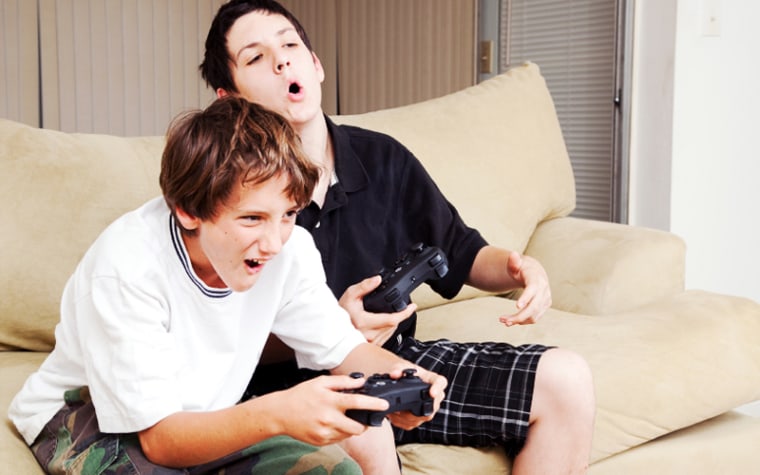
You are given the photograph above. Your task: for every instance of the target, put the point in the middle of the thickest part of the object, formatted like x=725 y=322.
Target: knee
x=564 y=380
x=330 y=459
x=278 y=452
x=347 y=467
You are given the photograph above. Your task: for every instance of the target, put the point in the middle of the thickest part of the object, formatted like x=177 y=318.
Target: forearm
x=489 y=271
x=185 y=439
x=369 y=359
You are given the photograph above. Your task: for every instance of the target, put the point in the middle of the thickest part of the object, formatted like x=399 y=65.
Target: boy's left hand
x=536 y=297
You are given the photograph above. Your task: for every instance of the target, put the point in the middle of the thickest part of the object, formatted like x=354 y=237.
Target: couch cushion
x=659 y=368
x=58 y=192
x=597 y=268
x=723 y=444
x=726 y=444
x=15 y=456
x=495 y=150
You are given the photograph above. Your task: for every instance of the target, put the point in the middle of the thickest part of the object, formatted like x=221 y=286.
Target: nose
x=271 y=240
x=281 y=63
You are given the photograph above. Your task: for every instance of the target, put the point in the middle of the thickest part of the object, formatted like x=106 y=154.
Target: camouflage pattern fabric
x=71 y=443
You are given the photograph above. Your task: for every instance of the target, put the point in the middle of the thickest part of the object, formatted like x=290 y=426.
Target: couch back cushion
x=59 y=191
x=496 y=151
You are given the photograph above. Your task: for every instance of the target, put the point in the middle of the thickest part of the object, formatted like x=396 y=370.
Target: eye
x=253 y=60
x=290 y=216
x=251 y=219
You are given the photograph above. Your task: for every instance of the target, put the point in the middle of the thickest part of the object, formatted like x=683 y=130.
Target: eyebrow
x=256 y=43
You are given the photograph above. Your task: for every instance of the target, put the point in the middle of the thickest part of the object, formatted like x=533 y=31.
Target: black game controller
x=419 y=264
x=408 y=393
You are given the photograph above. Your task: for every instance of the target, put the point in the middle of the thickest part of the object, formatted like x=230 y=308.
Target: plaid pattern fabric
x=71 y=443
x=488 y=399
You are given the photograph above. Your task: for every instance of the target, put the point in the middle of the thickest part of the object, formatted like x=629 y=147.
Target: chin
x=242 y=286
x=300 y=116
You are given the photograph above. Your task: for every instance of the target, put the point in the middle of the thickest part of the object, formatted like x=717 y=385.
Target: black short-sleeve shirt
x=382 y=203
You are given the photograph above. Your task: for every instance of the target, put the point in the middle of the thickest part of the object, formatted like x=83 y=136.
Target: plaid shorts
x=488 y=399
x=72 y=443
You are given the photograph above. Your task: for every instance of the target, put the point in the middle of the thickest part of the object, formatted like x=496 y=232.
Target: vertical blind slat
x=19 y=69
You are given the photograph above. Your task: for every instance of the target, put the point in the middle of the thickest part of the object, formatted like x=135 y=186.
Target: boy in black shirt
x=374 y=200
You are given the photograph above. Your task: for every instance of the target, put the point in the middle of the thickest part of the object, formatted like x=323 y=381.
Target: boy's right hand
x=377 y=328
x=315 y=410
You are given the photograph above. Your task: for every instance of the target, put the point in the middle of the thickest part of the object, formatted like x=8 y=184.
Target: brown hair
x=208 y=152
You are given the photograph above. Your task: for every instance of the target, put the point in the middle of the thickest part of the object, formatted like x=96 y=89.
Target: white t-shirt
x=150 y=339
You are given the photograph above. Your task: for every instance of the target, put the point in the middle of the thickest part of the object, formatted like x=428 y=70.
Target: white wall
x=695 y=157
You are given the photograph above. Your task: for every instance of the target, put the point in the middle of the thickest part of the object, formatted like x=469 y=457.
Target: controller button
x=392 y=295
x=435 y=260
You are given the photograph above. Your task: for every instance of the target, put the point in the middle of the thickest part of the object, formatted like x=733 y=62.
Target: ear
x=221 y=93
x=187 y=220
x=318 y=67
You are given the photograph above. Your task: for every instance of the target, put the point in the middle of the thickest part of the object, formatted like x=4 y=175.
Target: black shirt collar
x=348 y=168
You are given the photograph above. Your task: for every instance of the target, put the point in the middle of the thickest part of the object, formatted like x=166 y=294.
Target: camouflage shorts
x=71 y=443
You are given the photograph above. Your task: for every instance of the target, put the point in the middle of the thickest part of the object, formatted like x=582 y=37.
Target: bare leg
x=374 y=450
x=561 y=419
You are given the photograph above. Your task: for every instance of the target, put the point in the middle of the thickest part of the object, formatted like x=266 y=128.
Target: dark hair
x=208 y=152
x=215 y=68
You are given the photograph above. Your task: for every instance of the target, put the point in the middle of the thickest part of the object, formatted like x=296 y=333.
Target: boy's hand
x=536 y=297
x=377 y=328
x=315 y=411
x=406 y=420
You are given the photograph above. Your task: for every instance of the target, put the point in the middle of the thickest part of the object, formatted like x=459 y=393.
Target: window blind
x=574 y=44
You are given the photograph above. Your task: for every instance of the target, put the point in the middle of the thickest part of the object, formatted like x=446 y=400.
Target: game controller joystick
x=408 y=393
x=421 y=263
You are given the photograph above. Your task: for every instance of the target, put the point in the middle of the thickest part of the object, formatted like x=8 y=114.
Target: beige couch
x=669 y=364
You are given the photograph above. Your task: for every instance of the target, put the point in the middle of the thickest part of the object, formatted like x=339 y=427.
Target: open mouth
x=253 y=263
x=294 y=88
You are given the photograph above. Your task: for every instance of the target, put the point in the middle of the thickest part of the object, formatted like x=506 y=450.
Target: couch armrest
x=599 y=268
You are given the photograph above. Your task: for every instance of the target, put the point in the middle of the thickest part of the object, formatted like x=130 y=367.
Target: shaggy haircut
x=209 y=152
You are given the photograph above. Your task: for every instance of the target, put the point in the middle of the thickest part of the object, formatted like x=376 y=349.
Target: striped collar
x=179 y=248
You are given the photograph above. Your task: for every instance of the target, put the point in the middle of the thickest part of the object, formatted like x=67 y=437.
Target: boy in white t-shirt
x=164 y=321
